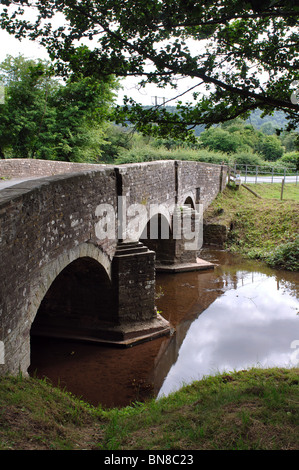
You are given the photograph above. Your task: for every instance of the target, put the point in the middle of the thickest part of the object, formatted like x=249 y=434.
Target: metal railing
x=265 y=174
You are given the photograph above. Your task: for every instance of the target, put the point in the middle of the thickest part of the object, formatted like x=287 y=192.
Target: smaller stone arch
x=189 y=202
x=157 y=236
x=140 y=216
x=187 y=198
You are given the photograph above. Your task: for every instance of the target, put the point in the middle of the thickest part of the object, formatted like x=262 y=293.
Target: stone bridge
x=80 y=244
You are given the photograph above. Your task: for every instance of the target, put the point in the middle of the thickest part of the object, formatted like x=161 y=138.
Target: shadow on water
x=242 y=314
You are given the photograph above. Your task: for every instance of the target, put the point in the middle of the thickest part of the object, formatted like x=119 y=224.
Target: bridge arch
x=157 y=235
x=50 y=272
x=188 y=199
x=189 y=202
x=141 y=217
x=74 y=295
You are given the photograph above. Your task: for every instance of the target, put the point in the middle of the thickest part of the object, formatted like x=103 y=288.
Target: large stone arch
x=46 y=279
x=50 y=272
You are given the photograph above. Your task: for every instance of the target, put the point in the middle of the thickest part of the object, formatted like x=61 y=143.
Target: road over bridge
x=80 y=245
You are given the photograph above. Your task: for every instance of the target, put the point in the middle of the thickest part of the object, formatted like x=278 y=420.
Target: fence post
x=282 y=186
x=245 y=173
x=256 y=172
x=272 y=174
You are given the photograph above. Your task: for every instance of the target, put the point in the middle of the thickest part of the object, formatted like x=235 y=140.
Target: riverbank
x=259 y=226
x=246 y=410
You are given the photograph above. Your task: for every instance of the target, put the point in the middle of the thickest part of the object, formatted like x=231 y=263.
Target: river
x=239 y=315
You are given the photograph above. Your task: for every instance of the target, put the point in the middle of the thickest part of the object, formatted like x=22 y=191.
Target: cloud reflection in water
x=250 y=325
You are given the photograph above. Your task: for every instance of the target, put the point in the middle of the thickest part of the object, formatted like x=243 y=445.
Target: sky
x=14 y=47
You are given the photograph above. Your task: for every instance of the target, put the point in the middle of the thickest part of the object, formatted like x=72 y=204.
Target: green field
x=273 y=191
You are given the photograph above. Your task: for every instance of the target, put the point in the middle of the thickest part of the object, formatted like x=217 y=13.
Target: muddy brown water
x=239 y=315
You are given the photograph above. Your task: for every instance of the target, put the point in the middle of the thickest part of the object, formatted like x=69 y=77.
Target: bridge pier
x=177 y=249
x=94 y=309
x=133 y=279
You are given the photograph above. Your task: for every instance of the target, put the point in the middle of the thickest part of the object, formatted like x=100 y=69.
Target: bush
x=116 y=140
x=270 y=147
x=148 y=153
x=290 y=159
x=247 y=158
x=217 y=139
x=286 y=256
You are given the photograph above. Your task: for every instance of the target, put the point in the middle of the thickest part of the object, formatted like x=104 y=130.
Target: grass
x=273 y=191
x=35 y=415
x=264 y=228
x=245 y=410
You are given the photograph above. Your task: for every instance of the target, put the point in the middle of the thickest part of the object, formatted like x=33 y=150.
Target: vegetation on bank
x=264 y=228
x=245 y=151
x=244 y=410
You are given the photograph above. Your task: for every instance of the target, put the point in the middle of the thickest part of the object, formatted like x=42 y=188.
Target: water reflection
x=239 y=315
x=251 y=324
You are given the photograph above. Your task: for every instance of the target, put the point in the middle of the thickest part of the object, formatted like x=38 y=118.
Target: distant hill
x=277 y=120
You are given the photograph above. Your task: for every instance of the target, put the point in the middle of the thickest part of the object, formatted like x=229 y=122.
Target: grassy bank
x=264 y=227
x=255 y=409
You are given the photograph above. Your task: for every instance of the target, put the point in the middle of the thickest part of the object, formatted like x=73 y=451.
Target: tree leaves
x=42 y=118
x=246 y=53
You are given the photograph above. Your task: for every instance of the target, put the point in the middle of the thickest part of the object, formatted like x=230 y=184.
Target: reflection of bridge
x=73 y=266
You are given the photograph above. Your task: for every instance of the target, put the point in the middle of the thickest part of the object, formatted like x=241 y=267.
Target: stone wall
x=171 y=181
x=204 y=179
x=44 y=225
x=168 y=183
x=149 y=183
x=26 y=167
x=215 y=234
x=144 y=183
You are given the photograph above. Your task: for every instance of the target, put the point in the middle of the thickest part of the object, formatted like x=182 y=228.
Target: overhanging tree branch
x=241 y=35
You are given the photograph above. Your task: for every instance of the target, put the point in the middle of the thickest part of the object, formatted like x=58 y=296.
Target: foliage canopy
x=242 y=54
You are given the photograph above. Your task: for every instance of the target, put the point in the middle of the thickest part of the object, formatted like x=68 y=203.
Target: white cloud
x=253 y=324
x=14 y=47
